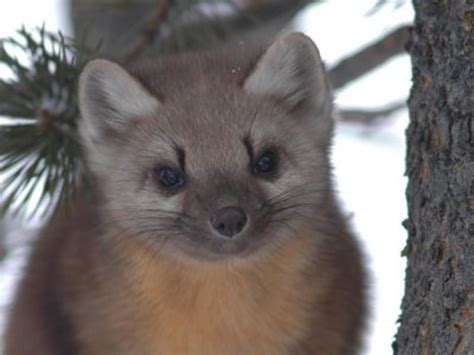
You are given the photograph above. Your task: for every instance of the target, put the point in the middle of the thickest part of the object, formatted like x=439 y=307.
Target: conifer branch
x=149 y=32
x=370 y=57
x=39 y=149
x=370 y=117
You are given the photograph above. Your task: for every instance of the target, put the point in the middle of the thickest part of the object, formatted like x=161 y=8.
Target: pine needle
x=39 y=147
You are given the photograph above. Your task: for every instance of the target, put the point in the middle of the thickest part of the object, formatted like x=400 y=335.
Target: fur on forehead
x=227 y=88
x=251 y=83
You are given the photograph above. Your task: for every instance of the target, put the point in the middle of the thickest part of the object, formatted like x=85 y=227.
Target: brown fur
x=281 y=304
x=118 y=275
x=214 y=309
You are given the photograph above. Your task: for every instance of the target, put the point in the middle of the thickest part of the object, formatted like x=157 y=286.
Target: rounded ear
x=109 y=98
x=291 y=70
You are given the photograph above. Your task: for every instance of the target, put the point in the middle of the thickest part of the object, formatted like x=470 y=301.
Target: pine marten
x=212 y=227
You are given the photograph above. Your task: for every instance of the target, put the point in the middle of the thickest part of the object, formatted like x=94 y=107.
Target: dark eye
x=169 y=177
x=266 y=163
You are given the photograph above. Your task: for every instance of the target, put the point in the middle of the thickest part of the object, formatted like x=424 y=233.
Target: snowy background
x=369 y=161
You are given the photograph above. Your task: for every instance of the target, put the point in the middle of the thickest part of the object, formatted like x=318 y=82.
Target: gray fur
x=109 y=97
x=292 y=70
x=222 y=100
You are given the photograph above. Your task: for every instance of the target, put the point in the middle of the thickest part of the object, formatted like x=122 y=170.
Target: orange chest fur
x=259 y=308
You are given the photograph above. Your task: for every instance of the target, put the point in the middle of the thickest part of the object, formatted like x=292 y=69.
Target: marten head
x=214 y=155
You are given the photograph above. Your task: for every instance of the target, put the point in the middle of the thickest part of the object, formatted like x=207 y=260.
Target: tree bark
x=438 y=306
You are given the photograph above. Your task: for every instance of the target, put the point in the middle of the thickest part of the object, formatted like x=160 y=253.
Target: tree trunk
x=438 y=307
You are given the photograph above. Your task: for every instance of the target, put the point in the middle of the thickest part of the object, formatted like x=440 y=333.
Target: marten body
x=102 y=280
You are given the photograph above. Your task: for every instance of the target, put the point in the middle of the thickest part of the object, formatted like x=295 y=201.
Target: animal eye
x=169 y=177
x=266 y=163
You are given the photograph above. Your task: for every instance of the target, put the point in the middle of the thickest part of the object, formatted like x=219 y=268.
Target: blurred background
x=362 y=45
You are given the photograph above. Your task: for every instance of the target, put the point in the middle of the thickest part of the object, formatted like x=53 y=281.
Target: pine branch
x=149 y=32
x=253 y=18
x=369 y=117
x=39 y=148
x=382 y=3
x=360 y=63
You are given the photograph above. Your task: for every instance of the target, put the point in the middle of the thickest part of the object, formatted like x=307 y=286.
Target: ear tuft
x=291 y=70
x=109 y=98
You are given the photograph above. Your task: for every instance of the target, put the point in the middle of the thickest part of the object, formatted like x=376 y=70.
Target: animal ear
x=109 y=98
x=292 y=71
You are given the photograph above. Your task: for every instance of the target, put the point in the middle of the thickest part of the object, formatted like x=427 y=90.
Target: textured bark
x=438 y=307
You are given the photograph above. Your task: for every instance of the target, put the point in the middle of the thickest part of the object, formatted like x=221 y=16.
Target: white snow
x=369 y=161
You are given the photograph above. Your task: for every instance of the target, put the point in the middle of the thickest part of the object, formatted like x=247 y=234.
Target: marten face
x=210 y=161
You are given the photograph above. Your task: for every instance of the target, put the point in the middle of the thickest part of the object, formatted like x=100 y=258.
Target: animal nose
x=229 y=221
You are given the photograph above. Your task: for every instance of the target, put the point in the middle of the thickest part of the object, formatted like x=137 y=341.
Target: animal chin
x=215 y=248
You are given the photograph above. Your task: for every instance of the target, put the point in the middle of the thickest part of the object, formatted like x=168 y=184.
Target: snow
x=9 y=274
x=369 y=173
x=369 y=161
